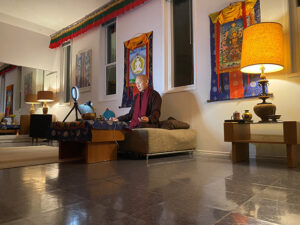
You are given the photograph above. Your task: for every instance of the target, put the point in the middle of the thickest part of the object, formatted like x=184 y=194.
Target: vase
x=247 y=116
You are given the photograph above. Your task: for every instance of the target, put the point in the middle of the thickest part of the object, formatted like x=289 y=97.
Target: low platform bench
x=156 y=141
x=95 y=141
x=9 y=129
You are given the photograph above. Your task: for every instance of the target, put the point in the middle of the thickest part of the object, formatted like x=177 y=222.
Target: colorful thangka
x=137 y=61
x=226 y=27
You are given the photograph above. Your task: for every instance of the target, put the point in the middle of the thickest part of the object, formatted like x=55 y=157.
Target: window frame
x=104 y=96
x=294 y=20
x=169 y=43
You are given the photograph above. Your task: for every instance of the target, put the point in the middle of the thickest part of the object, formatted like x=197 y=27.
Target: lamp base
x=263 y=110
x=32 y=110
x=45 y=108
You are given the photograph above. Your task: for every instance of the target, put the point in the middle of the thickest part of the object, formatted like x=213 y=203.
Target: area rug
x=27 y=156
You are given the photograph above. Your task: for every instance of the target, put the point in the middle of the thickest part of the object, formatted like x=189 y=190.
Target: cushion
x=172 y=123
x=156 y=140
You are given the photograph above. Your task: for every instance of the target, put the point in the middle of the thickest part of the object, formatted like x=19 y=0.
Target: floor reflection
x=172 y=190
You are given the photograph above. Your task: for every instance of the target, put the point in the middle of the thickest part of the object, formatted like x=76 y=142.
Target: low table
x=240 y=135
x=9 y=129
x=102 y=147
x=96 y=141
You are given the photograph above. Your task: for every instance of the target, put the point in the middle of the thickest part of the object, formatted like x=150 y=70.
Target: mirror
x=25 y=81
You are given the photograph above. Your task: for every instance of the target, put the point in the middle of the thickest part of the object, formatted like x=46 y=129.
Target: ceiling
x=44 y=16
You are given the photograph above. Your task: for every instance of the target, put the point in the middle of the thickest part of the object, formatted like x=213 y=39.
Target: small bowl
x=88 y=116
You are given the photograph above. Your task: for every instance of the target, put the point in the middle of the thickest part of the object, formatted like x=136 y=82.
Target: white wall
x=26 y=48
x=127 y=26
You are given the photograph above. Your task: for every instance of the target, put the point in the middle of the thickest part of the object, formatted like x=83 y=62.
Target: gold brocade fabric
x=232 y=12
x=137 y=41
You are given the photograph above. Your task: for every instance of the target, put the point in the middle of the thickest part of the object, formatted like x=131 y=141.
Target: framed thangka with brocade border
x=83 y=77
x=137 y=61
x=9 y=106
x=226 y=35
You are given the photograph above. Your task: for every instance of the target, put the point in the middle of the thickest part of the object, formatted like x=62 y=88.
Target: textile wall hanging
x=103 y=14
x=226 y=35
x=137 y=61
x=9 y=100
x=83 y=78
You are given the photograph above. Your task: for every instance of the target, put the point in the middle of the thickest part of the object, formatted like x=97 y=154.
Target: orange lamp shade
x=45 y=96
x=262 y=46
x=31 y=99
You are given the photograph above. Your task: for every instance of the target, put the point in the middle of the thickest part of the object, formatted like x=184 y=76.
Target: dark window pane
x=111 y=43
x=68 y=72
x=183 y=43
x=111 y=80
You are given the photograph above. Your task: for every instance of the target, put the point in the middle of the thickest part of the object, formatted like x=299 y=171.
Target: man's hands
x=144 y=119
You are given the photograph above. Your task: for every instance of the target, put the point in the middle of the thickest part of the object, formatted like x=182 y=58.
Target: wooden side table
x=240 y=136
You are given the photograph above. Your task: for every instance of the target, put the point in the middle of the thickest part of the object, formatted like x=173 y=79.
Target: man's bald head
x=141 y=82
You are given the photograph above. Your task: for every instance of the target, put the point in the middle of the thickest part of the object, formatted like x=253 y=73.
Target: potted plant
x=12 y=116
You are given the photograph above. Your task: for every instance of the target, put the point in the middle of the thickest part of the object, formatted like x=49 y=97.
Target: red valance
x=94 y=19
x=6 y=68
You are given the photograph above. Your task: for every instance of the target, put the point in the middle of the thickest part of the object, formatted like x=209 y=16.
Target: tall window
x=110 y=61
x=66 y=72
x=183 y=58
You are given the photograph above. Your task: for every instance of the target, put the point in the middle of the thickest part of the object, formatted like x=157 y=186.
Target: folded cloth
x=171 y=123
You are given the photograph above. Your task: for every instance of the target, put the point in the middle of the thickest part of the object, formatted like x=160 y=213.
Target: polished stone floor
x=169 y=190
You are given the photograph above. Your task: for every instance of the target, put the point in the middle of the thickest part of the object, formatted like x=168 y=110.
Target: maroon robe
x=152 y=112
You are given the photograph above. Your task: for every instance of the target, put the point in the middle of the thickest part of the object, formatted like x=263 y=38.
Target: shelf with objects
x=241 y=134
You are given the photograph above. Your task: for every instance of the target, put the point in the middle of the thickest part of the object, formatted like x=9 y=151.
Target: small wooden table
x=240 y=136
x=102 y=147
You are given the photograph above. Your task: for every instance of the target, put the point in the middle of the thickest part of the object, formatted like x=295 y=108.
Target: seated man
x=145 y=109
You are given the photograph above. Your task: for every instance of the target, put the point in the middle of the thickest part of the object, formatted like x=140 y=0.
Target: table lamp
x=262 y=52
x=45 y=96
x=31 y=99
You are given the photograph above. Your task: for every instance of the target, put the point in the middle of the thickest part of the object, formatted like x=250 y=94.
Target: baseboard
x=228 y=155
x=279 y=158
x=213 y=153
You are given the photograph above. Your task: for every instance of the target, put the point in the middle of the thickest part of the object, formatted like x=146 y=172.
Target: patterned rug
x=27 y=156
